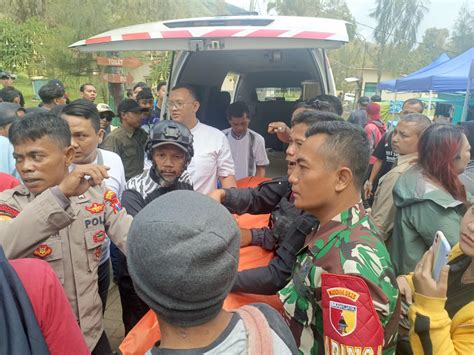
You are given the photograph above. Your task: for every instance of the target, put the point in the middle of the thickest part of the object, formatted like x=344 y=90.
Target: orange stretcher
x=147 y=331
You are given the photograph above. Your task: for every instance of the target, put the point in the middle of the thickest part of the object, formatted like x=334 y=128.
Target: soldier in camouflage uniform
x=326 y=182
x=288 y=225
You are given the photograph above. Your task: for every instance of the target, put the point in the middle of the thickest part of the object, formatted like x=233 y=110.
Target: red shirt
x=52 y=309
x=7 y=182
x=374 y=129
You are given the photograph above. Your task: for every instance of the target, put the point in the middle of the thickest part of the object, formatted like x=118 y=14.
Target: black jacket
x=147 y=187
x=285 y=234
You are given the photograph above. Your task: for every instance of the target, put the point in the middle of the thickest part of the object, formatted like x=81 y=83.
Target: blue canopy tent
x=391 y=84
x=450 y=76
x=455 y=75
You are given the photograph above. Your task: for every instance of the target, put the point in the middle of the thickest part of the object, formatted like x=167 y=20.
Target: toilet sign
x=131 y=63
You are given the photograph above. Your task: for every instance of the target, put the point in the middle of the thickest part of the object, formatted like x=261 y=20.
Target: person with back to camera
x=35 y=314
x=183 y=263
x=359 y=116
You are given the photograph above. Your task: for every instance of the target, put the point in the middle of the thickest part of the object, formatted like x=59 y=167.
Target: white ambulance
x=268 y=62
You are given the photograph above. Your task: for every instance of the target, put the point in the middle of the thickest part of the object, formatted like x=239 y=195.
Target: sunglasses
x=106 y=117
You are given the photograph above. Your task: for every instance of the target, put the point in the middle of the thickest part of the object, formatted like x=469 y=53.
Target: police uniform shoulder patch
x=7 y=212
x=95 y=208
x=111 y=198
x=43 y=251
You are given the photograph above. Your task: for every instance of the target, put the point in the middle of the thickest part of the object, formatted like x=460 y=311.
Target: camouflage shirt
x=345 y=245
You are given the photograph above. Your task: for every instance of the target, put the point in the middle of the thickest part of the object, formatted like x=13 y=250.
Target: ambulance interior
x=269 y=81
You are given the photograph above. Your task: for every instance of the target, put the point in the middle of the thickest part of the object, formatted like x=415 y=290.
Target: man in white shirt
x=247 y=146
x=84 y=122
x=212 y=159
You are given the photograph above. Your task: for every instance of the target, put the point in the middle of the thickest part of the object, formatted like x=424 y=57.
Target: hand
x=81 y=178
x=424 y=282
x=405 y=289
x=407 y=294
x=218 y=195
x=245 y=237
x=368 y=190
x=277 y=127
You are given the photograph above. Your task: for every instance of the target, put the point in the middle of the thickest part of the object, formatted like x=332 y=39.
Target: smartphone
x=441 y=251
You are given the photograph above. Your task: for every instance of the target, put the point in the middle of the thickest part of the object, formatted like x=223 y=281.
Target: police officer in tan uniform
x=61 y=217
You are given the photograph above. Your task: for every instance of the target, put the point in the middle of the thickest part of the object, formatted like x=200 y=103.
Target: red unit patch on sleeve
x=351 y=324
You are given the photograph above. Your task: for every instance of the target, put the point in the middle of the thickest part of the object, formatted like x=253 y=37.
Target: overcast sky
x=441 y=14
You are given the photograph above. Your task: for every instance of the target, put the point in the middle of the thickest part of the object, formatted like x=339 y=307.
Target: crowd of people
x=351 y=227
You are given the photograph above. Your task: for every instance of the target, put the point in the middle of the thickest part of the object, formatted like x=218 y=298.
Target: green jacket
x=422 y=210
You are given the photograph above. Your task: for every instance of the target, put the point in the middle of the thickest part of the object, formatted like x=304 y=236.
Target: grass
x=72 y=83
x=26 y=87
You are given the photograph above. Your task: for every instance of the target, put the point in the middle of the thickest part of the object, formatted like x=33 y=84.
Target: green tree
x=336 y=9
x=160 y=66
x=435 y=41
x=433 y=45
x=22 y=45
x=25 y=9
x=296 y=7
x=66 y=21
x=349 y=60
x=346 y=61
x=463 y=32
x=397 y=25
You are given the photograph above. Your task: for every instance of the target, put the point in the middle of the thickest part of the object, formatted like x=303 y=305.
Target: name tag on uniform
x=94 y=221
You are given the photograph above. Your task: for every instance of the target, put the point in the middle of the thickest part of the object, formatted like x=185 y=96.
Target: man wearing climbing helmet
x=170 y=149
